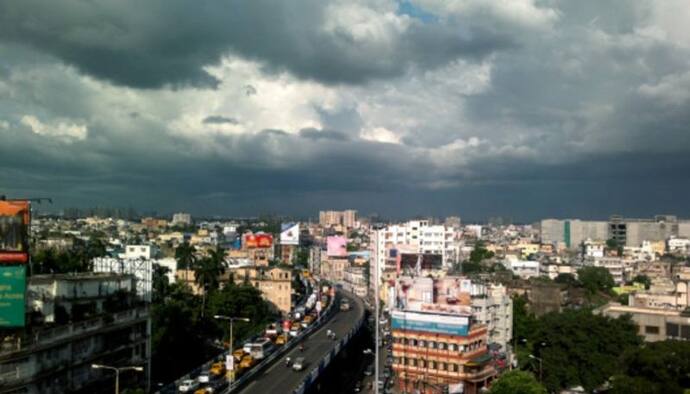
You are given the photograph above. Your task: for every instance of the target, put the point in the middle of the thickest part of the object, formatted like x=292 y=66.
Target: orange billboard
x=252 y=241
x=14 y=231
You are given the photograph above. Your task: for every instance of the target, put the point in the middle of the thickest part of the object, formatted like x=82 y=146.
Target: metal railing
x=323 y=364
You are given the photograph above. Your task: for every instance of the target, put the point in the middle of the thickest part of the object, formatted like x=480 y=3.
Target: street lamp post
x=533 y=357
x=117 y=372
x=231 y=319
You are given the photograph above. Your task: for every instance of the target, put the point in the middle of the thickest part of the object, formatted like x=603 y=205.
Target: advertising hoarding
x=14 y=229
x=289 y=234
x=12 y=293
x=430 y=322
x=336 y=246
x=253 y=241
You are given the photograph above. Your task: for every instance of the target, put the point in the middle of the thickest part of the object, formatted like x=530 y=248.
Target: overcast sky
x=520 y=108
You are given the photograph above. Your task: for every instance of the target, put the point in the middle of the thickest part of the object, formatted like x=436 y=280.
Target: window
x=651 y=330
x=432 y=345
x=442 y=366
x=672 y=330
x=432 y=364
x=422 y=343
x=452 y=347
x=413 y=362
x=685 y=332
x=441 y=346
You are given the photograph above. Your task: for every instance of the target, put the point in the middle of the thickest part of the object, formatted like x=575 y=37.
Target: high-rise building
x=572 y=232
x=182 y=219
x=347 y=218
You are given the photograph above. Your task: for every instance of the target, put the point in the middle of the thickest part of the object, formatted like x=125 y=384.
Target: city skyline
x=523 y=109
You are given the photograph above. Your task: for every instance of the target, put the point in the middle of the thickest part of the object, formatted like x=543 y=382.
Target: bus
x=261 y=349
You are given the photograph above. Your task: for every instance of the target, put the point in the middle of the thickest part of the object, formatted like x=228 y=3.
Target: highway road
x=278 y=378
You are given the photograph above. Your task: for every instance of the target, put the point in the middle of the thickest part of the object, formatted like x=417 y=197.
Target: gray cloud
x=130 y=43
x=586 y=115
x=315 y=134
x=218 y=119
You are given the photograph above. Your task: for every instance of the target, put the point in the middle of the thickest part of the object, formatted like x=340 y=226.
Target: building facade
x=78 y=320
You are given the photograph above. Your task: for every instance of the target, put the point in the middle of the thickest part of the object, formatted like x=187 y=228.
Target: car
x=369 y=371
x=367 y=351
x=188 y=386
x=358 y=387
x=217 y=386
x=203 y=378
x=298 y=365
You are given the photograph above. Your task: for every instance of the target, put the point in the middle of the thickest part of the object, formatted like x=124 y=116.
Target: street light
x=231 y=319
x=533 y=357
x=117 y=372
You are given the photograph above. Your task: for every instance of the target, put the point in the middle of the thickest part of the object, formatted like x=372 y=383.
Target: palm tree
x=186 y=259
x=207 y=273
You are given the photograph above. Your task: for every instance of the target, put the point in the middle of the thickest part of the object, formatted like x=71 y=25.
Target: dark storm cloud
x=167 y=43
x=315 y=134
x=218 y=119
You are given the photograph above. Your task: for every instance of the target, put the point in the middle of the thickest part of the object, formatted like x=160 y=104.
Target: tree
x=184 y=254
x=161 y=286
x=517 y=382
x=658 y=367
x=207 y=272
x=596 y=279
x=566 y=279
x=580 y=348
x=480 y=253
x=643 y=279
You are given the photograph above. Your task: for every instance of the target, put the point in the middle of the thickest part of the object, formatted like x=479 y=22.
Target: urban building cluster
x=451 y=327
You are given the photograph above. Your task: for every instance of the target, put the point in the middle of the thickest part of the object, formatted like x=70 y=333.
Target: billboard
x=12 y=292
x=431 y=322
x=336 y=246
x=253 y=241
x=14 y=229
x=289 y=234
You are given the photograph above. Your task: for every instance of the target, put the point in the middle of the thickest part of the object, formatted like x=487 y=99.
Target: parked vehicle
x=298 y=365
x=203 y=378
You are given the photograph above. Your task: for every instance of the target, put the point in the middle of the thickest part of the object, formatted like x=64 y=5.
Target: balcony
x=51 y=336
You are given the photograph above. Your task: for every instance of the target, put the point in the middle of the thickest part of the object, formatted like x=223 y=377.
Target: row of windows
x=472 y=346
x=428 y=364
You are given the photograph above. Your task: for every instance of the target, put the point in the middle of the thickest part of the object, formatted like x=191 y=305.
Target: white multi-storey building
x=494 y=307
x=415 y=236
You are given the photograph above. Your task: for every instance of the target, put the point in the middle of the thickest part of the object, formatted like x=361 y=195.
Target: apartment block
x=77 y=320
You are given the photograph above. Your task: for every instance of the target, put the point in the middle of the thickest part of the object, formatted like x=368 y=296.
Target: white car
x=188 y=385
x=204 y=378
x=298 y=365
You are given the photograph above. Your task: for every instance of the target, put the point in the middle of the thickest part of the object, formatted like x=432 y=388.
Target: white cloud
x=380 y=134
x=4 y=125
x=61 y=130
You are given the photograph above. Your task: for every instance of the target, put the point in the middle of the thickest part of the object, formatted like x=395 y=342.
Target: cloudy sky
x=521 y=108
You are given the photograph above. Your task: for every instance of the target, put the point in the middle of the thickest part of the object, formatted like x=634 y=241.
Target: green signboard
x=12 y=291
